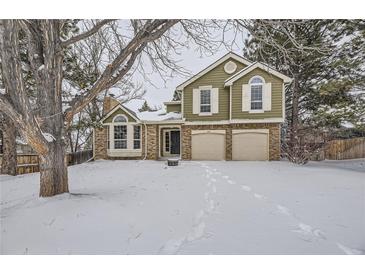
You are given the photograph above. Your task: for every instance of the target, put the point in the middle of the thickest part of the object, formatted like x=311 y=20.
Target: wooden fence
x=345 y=149
x=29 y=163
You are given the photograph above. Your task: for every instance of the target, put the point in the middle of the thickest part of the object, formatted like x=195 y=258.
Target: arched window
x=120 y=132
x=120 y=119
x=256 y=88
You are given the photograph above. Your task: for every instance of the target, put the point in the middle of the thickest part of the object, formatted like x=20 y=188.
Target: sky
x=158 y=91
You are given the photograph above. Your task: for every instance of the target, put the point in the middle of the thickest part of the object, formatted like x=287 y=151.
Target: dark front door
x=175 y=142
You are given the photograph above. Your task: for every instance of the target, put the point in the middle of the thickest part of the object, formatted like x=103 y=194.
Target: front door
x=175 y=142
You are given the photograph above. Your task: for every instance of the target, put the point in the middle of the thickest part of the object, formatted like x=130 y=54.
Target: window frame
x=137 y=139
x=261 y=84
x=205 y=104
x=121 y=139
x=120 y=115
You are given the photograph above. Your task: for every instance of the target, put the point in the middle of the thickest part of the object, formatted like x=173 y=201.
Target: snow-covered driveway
x=145 y=207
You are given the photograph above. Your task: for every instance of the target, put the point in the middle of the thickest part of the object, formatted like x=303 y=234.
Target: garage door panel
x=250 y=146
x=208 y=146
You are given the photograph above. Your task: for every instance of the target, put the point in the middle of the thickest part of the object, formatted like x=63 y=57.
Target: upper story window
x=256 y=88
x=205 y=101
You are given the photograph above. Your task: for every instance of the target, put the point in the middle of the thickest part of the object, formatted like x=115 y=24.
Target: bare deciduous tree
x=44 y=128
x=45 y=118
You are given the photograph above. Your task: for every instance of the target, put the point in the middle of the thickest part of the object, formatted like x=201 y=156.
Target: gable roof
x=124 y=108
x=212 y=66
x=253 y=66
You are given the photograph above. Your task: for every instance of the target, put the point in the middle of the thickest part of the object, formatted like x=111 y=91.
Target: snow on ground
x=145 y=207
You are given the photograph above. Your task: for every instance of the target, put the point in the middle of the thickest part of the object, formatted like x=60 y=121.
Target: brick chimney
x=109 y=103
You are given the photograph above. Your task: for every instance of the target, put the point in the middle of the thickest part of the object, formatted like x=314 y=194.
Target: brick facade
x=274 y=138
x=153 y=140
x=100 y=143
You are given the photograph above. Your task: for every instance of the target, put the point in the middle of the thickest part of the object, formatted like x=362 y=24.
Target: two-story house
x=231 y=110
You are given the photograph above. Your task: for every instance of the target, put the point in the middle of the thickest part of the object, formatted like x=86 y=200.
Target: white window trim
x=139 y=139
x=256 y=111
x=200 y=104
x=116 y=116
x=210 y=101
x=113 y=138
x=262 y=94
x=130 y=151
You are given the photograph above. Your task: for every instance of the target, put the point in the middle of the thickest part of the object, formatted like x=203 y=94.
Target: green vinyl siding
x=276 y=96
x=173 y=108
x=214 y=78
x=119 y=111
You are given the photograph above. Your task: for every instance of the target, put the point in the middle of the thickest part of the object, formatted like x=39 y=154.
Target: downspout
x=230 y=103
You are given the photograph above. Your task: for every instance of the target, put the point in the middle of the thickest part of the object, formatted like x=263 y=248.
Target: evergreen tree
x=323 y=57
x=147 y=107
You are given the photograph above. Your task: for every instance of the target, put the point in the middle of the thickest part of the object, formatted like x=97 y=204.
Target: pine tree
x=323 y=67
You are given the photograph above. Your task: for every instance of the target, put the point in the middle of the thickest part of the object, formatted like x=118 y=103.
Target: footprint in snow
x=199 y=216
x=197 y=232
x=171 y=246
x=259 y=196
x=214 y=189
x=225 y=177
x=283 y=210
x=231 y=182
x=308 y=230
x=213 y=179
x=246 y=188
x=350 y=251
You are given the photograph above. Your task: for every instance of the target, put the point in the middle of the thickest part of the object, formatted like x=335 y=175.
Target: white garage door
x=208 y=144
x=250 y=145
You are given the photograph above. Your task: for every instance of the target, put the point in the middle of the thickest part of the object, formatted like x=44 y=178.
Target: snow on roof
x=159 y=115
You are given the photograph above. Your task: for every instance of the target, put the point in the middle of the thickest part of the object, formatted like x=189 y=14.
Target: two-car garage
x=247 y=145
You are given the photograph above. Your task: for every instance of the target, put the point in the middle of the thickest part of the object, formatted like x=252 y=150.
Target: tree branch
x=86 y=34
x=149 y=32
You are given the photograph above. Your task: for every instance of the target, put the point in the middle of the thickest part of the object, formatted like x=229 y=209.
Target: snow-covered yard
x=145 y=207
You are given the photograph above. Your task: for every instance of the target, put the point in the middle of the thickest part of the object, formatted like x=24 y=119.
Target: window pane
x=167 y=141
x=256 y=105
x=120 y=132
x=120 y=119
x=256 y=80
x=120 y=137
x=205 y=108
x=256 y=93
x=119 y=144
x=137 y=132
x=205 y=97
x=136 y=144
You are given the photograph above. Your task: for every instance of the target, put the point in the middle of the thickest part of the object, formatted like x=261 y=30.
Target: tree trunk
x=295 y=112
x=53 y=171
x=9 y=161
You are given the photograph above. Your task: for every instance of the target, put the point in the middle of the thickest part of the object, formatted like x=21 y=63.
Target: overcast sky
x=160 y=92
